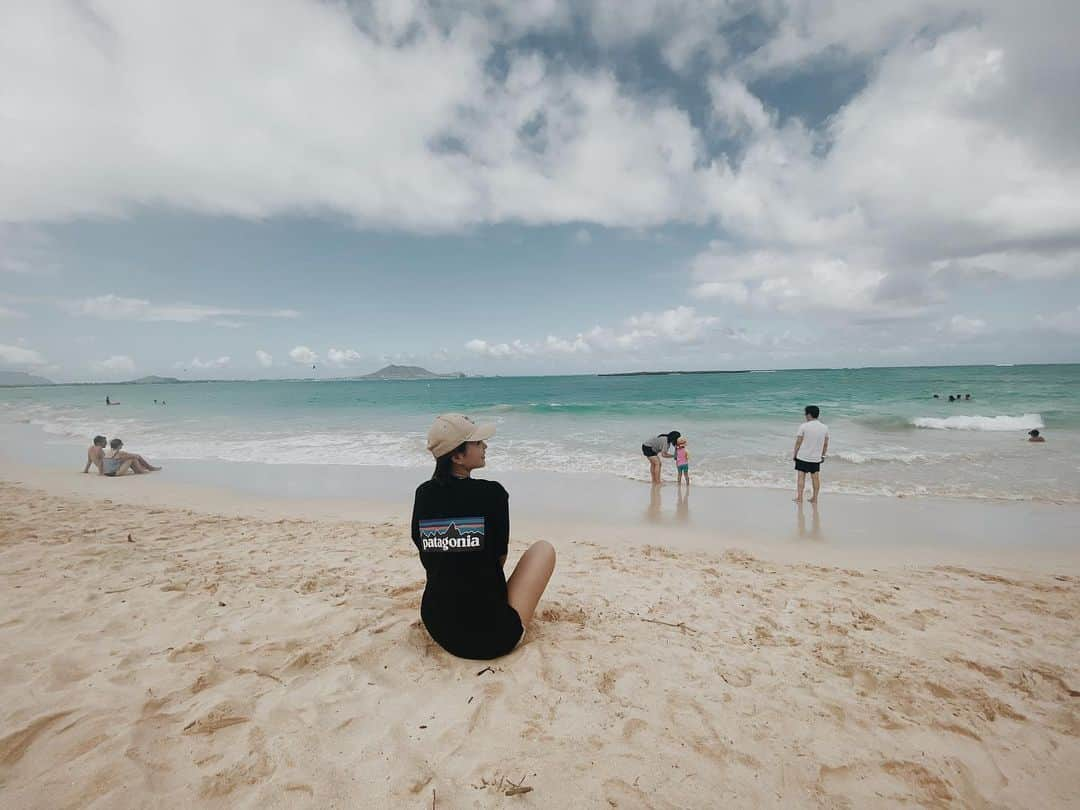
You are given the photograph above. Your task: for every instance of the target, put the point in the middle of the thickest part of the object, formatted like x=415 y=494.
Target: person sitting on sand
x=658 y=447
x=811 y=445
x=461 y=528
x=112 y=465
x=95 y=454
x=1033 y=436
x=118 y=455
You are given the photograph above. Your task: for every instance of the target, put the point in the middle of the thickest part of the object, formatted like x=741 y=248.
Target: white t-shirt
x=814 y=434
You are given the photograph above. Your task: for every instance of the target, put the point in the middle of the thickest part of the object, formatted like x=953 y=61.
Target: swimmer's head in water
x=1033 y=434
x=100 y=441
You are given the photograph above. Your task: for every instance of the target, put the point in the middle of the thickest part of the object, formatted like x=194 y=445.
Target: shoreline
x=174 y=655
x=842 y=530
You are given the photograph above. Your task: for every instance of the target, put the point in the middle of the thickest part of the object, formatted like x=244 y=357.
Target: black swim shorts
x=648 y=451
x=807 y=466
x=499 y=634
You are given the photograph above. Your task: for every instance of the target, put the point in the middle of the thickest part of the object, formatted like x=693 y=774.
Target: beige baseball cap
x=452 y=429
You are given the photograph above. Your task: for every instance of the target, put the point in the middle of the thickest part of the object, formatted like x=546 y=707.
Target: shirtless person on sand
x=95 y=454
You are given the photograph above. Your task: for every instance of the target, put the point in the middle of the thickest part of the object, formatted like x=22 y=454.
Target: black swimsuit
x=462 y=529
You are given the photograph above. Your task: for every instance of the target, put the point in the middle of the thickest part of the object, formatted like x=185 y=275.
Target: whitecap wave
x=871 y=456
x=992 y=423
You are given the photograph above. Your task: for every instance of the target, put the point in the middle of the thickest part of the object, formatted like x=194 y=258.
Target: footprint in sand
x=223 y=715
x=15 y=745
x=738 y=678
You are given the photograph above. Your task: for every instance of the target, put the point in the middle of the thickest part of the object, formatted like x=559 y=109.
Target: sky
x=242 y=190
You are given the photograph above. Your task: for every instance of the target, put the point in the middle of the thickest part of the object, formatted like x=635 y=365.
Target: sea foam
x=993 y=423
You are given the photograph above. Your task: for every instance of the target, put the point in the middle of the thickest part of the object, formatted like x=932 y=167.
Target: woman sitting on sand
x=461 y=527
x=118 y=462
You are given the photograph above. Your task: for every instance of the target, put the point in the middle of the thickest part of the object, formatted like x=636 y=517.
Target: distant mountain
x=153 y=379
x=22 y=378
x=393 y=372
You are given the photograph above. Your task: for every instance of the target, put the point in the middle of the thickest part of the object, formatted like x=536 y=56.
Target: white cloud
x=734 y=291
x=962 y=149
x=11 y=314
x=673 y=327
x=303 y=355
x=550 y=143
x=117 y=363
x=23 y=248
x=499 y=350
x=117 y=308
x=791 y=281
x=195 y=362
x=963 y=326
x=20 y=356
x=343 y=357
x=736 y=108
x=265 y=359
x=1065 y=323
x=1017 y=264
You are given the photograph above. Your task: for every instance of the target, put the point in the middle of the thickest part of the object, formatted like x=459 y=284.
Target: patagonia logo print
x=452 y=534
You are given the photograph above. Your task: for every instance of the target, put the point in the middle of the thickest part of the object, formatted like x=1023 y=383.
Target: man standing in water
x=811 y=445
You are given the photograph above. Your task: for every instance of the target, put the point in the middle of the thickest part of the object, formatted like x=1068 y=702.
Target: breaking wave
x=992 y=423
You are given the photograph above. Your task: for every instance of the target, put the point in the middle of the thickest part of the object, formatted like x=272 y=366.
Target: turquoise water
x=889 y=436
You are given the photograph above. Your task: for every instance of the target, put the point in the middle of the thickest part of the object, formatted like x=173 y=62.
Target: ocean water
x=888 y=435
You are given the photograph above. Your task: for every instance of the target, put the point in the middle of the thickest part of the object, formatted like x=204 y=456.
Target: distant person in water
x=967 y=396
x=937 y=396
x=952 y=398
x=1033 y=436
x=811 y=446
x=682 y=461
x=95 y=454
x=656 y=448
x=115 y=458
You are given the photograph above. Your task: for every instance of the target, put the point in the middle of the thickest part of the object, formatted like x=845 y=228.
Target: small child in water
x=682 y=460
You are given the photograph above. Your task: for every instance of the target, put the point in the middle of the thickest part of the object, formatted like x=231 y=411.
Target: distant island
x=22 y=378
x=393 y=372
x=150 y=380
x=665 y=373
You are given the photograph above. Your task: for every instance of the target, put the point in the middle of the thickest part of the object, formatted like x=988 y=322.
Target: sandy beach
x=155 y=655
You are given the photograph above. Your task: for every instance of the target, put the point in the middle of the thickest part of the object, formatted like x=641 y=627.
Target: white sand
x=239 y=661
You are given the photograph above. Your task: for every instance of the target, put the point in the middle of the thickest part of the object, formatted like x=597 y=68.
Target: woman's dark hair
x=444 y=465
x=1033 y=433
x=673 y=436
x=116 y=444
x=100 y=441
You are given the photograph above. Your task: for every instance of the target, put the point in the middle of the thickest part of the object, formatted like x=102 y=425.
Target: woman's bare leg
x=126 y=467
x=149 y=467
x=526 y=585
x=654 y=468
